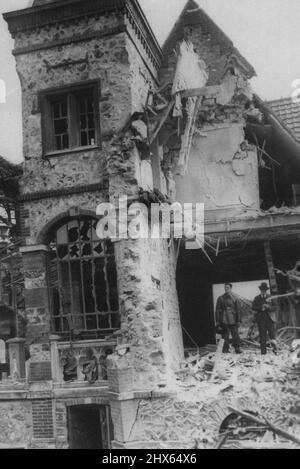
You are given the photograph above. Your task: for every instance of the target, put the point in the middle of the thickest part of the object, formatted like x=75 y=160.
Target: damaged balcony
x=78 y=364
x=81 y=363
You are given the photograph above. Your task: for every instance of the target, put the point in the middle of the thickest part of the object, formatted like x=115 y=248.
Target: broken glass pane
x=73 y=232
x=86 y=250
x=94 y=233
x=62 y=252
x=85 y=231
x=74 y=251
x=98 y=249
x=100 y=285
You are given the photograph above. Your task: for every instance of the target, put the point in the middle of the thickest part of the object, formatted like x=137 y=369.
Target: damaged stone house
x=108 y=113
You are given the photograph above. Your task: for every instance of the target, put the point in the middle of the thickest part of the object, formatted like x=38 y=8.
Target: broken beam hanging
x=207 y=91
x=162 y=120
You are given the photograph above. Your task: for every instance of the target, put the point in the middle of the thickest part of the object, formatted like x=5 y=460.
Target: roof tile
x=288 y=112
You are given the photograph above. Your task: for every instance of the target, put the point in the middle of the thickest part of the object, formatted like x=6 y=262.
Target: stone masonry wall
x=37 y=305
x=44 y=211
x=143 y=74
x=150 y=321
x=105 y=59
x=125 y=80
x=15 y=424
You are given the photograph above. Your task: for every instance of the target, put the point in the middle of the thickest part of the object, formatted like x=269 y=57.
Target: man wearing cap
x=228 y=318
x=265 y=317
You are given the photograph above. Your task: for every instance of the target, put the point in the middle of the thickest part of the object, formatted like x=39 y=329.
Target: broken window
x=83 y=281
x=70 y=118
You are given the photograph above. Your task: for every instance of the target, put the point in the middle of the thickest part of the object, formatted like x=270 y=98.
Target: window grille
x=83 y=281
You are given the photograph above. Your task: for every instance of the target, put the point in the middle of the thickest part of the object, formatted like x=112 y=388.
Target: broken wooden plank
x=238 y=444
x=263 y=152
x=222 y=440
x=218 y=246
x=279 y=431
x=207 y=91
x=162 y=121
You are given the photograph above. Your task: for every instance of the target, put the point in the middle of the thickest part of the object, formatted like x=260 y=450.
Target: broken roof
x=191 y=15
x=283 y=137
x=288 y=112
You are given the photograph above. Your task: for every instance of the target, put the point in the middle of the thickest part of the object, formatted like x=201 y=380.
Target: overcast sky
x=266 y=32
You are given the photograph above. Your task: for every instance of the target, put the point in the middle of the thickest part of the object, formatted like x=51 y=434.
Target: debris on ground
x=255 y=399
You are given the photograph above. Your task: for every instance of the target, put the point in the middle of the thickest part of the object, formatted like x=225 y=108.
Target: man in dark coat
x=265 y=316
x=228 y=318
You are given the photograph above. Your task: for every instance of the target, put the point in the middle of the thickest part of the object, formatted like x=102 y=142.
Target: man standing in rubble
x=228 y=318
x=265 y=316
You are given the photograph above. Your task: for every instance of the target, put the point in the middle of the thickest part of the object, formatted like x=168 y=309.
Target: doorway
x=89 y=427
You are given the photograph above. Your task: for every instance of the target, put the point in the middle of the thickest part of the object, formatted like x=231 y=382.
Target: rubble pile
x=247 y=400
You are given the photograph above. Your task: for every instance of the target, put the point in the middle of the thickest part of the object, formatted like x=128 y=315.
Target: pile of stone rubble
x=247 y=400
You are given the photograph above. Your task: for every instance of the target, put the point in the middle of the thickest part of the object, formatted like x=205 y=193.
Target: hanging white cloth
x=190 y=71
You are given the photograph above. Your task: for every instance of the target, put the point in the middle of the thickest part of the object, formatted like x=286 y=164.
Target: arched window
x=83 y=281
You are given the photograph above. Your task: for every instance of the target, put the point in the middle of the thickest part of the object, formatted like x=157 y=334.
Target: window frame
x=71 y=92
x=109 y=260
